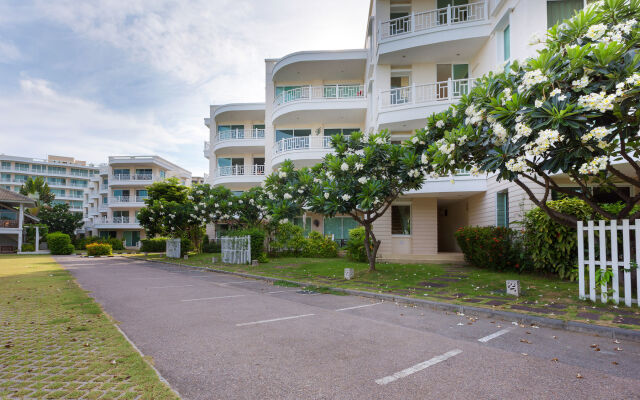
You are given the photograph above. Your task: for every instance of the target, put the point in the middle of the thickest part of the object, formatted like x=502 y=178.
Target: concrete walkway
x=215 y=336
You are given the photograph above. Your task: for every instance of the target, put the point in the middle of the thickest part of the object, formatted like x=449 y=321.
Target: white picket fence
x=236 y=249
x=608 y=255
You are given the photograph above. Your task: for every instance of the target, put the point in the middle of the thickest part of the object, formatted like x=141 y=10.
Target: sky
x=93 y=78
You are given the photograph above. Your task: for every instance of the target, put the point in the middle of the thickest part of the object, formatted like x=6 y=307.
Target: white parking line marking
x=353 y=308
x=167 y=287
x=280 y=291
x=214 y=298
x=494 y=335
x=418 y=367
x=274 y=320
x=227 y=283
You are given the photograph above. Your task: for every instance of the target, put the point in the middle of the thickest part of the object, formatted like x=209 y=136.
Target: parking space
x=214 y=335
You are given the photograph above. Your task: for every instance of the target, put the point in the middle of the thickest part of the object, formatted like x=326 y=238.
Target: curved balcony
x=240 y=141
x=131 y=179
x=327 y=65
x=127 y=201
x=441 y=33
x=407 y=108
x=117 y=223
x=309 y=104
x=239 y=176
x=303 y=151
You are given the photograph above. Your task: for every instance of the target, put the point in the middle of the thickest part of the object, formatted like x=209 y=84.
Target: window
x=58 y=192
x=38 y=168
x=344 y=131
x=230 y=132
x=105 y=200
x=5 y=165
x=21 y=167
x=144 y=171
x=306 y=225
x=75 y=204
x=142 y=193
x=56 y=170
x=121 y=193
x=78 y=183
x=502 y=209
x=76 y=193
x=456 y=72
x=121 y=214
x=5 y=177
x=339 y=227
x=56 y=181
x=400 y=92
x=289 y=93
x=506 y=42
x=401 y=220
x=79 y=172
x=559 y=10
x=121 y=172
x=20 y=178
x=289 y=133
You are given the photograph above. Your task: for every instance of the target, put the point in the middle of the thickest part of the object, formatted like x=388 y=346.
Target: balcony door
x=121 y=193
x=230 y=166
x=258 y=165
x=457 y=14
x=131 y=238
x=400 y=21
x=455 y=72
x=230 y=132
x=400 y=87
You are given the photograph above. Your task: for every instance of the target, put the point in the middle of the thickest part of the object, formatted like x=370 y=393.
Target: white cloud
x=9 y=52
x=39 y=120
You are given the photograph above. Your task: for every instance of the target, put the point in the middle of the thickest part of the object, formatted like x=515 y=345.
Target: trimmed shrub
x=491 y=247
x=28 y=247
x=288 y=240
x=355 y=244
x=155 y=245
x=318 y=245
x=60 y=243
x=116 y=244
x=185 y=246
x=257 y=240
x=99 y=249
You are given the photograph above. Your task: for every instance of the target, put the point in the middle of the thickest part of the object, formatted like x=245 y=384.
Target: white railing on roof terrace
x=132 y=177
x=239 y=134
x=327 y=92
x=240 y=170
x=425 y=20
x=431 y=92
x=302 y=143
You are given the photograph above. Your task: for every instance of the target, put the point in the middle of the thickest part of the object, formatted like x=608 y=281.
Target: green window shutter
x=558 y=11
x=502 y=209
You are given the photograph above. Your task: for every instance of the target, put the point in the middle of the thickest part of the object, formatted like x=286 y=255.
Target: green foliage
x=257 y=240
x=186 y=245
x=491 y=247
x=552 y=246
x=355 y=244
x=155 y=245
x=288 y=240
x=28 y=247
x=37 y=189
x=263 y=258
x=31 y=233
x=210 y=246
x=60 y=243
x=99 y=249
x=58 y=218
x=318 y=245
x=285 y=193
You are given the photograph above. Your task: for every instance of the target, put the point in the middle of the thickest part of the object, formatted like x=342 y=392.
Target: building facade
x=67 y=177
x=117 y=192
x=419 y=57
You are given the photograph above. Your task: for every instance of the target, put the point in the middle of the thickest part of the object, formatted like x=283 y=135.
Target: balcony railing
x=132 y=177
x=302 y=143
x=128 y=199
x=431 y=92
x=239 y=134
x=240 y=170
x=422 y=21
x=9 y=223
x=326 y=92
x=119 y=220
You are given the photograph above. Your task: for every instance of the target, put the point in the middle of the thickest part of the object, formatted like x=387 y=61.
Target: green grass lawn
x=57 y=343
x=548 y=296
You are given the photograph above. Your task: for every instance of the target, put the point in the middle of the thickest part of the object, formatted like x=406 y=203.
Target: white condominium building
x=117 y=192
x=66 y=177
x=419 y=57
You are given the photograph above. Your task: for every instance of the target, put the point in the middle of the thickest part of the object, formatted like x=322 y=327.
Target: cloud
x=9 y=53
x=38 y=120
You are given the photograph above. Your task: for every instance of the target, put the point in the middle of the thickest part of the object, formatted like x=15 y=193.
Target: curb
x=574 y=326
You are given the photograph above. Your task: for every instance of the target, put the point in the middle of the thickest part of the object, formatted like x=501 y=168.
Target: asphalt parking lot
x=218 y=336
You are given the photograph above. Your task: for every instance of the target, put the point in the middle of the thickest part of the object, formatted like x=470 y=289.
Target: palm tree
x=38 y=190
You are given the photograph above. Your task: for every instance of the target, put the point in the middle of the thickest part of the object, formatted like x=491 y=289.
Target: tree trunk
x=371 y=245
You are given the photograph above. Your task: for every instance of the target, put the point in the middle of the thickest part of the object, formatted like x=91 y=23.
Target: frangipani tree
x=361 y=179
x=573 y=109
x=286 y=193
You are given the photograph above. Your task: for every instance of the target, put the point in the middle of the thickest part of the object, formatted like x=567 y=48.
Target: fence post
x=626 y=246
x=581 y=259
x=249 y=249
x=637 y=228
x=592 y=262
x=603 y=259
x=614 y=261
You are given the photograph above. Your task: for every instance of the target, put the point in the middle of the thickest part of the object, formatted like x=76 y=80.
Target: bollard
x=513 y=287
x=254 y=263
x=186 y=257
x=214 y=260
x=348 y=273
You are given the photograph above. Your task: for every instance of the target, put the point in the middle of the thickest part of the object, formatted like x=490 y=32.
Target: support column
x=20 y=224
x=37 y=238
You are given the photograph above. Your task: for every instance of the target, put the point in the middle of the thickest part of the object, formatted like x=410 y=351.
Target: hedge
x=28 y=247
x=99 y=249
x=155 y=245
x=492 y=247
x=60 y=243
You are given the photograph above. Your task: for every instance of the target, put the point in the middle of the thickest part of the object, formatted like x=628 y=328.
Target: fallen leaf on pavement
x=614 y=362
x=618 y=349
x=579 y=376
x=554 y=359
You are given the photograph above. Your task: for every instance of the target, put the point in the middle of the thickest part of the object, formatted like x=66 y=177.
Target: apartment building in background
x=419 y=57
x=116 y=193
x=66 y=176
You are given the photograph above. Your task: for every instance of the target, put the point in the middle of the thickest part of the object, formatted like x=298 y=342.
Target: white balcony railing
x=128 y=199
x=431 y=92
x=302 y=143
x=425 y=20
x=132 y=177
x=118 y=220
x=239 y=134
x=326 y=92
x=235 y=170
